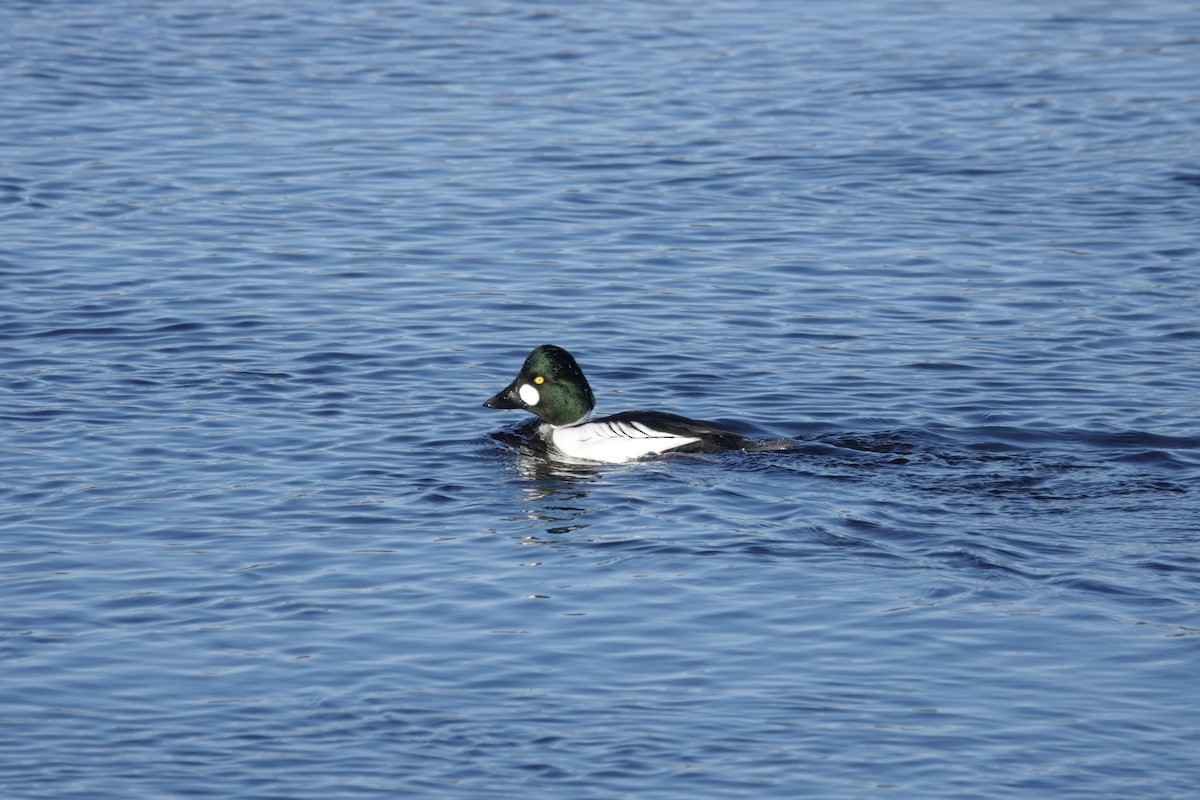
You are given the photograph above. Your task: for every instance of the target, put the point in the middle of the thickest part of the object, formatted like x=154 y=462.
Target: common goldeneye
x=551 y=385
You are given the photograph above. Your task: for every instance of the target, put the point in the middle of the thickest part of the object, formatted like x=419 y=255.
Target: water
x=263 y=263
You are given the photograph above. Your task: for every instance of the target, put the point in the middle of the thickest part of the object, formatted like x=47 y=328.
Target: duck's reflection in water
x=555 y=490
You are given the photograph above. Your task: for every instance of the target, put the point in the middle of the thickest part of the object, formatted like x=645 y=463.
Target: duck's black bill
x=506 y=398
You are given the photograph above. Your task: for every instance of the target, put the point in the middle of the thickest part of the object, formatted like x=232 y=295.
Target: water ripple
x=263 y=265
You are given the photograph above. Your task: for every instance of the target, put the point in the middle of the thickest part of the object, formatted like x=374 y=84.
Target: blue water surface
x=261 y=263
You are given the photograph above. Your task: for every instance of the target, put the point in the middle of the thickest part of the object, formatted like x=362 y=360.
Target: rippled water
x=262 y=263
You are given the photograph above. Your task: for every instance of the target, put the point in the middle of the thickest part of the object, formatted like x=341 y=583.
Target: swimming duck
x=552 y=386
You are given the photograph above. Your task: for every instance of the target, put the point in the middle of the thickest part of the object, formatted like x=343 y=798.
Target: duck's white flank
x=611 y=442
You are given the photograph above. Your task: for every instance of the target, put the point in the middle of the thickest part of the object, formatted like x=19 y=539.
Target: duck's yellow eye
x=539 y=380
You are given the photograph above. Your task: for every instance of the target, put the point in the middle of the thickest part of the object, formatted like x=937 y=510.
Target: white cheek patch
x=529 y=395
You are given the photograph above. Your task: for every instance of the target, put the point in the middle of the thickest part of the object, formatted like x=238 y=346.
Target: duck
x=551 y=386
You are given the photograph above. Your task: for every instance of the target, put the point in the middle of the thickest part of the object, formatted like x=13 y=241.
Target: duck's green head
x=550 y=385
